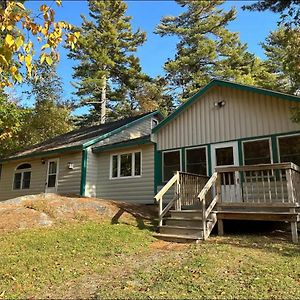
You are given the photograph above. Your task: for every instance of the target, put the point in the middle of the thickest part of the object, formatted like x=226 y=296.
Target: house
x=243 y=151
x=231 y=151
x=109 y=161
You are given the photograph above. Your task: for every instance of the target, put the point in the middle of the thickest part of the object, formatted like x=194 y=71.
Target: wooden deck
x=256 y=192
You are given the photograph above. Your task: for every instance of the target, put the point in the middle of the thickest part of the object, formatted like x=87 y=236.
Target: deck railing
x=266 y=183
x=186 y=187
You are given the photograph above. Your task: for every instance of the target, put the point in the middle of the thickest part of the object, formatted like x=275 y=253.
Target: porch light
x=70 y=165
x=220 y=104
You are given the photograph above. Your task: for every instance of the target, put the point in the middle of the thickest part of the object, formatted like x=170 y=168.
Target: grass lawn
x=101 y=260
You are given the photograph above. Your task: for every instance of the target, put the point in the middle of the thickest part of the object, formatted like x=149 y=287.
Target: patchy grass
x=104 y=261
x=224 y=268
x=39 y=258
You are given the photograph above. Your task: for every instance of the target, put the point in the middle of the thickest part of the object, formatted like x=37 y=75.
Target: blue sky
x=253 y=28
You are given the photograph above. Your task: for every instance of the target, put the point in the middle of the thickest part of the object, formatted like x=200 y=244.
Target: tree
x=283 y=58
x=50 y=116
x=107 y=65
x=206 y=49
x=17 y=28
x=288 y=9
x=12 y=119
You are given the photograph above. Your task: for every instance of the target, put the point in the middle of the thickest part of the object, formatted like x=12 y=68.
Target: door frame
x=225 y=145
x=52 y=189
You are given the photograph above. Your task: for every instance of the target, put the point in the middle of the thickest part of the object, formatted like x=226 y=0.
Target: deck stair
x=269 y=192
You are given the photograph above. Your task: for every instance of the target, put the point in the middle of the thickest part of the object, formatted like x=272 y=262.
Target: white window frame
x=119 y=165
x=255 y=140
x=277 y=142
x=48 y=190
x=193 y=148
x=163 y=161
x=22 y=171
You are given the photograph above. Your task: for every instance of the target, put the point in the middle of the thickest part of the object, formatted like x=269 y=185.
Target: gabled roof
x=78 y=139
x=223 y=83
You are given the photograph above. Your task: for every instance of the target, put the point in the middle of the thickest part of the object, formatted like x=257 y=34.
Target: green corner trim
x=83 y=171
x=275 y=152
x=223 y=83
x=102 y=137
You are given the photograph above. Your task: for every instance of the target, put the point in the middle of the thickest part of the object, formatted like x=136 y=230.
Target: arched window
x=22 y=177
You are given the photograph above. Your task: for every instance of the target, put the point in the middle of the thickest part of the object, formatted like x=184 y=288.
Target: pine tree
x=206 y=49
x=282 y=49
x=107 y=67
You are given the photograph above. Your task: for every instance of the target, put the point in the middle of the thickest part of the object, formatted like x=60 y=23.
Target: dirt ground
x=47 y=210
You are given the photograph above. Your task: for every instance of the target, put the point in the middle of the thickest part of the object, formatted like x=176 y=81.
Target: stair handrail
x=159 y=197
x=214 y=180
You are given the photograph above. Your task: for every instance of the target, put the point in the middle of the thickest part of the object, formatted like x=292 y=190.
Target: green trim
x=83 y=171
x=183 y=159
x=275 y=152
x=240 y=152
x=209 y=165
x=157 y=168
x=134 y=142
x=42 y=154
x=117 y=130
x=217 y=82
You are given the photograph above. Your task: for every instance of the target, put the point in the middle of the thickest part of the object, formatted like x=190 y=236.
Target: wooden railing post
x=160 y=219
x=178 y=191
x=204 y=217
x=219 y=197
x=291 y=199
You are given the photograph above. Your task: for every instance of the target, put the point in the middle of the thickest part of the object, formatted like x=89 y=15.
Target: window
x=196 y=161
x=126 y=165
x=289 y=149
x=22 y=177
x=257 y=152
x=171 y=164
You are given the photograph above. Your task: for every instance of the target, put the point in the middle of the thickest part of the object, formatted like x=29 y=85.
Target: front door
x=52 y=176
x=225 y=155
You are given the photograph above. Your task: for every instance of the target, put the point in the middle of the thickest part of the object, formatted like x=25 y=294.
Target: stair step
x=190 y=214
x=183 y=222
x=178 y=238
x=181 y=230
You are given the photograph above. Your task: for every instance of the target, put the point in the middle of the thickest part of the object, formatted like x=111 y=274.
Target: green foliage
x=50 y=116
x=12 y=120
x=288 y=9
x=108 y=67
x=206 y=49
x=283 y=58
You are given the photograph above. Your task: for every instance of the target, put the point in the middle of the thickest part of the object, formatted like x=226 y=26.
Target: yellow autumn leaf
x=19 y=41
x=49 y=60
x=45 y=46
x=28 y=59
x=13 y=69
x=42 y=59
x=20 y=5
x=58 y=2
x=21 y=58
x=77 y=34
x=9 y=40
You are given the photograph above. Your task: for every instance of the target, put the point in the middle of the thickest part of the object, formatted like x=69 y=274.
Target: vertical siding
x=245 y=114
x=139 y=189
x=138 y=130
x=92 y=174
x=68 y=180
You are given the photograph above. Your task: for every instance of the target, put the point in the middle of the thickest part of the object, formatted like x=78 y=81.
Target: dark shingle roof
x=75 y=139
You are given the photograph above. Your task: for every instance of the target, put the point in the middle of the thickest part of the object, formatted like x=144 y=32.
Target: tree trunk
x=103 y=101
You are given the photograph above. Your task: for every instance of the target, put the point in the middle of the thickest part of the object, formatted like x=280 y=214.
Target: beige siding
x=92 y=174
x=245 y=114
x=68 y=180
x=139 y=189
x=136 y=131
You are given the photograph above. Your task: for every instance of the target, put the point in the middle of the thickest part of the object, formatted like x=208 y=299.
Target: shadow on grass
x=272 y=237
x=145 y=215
